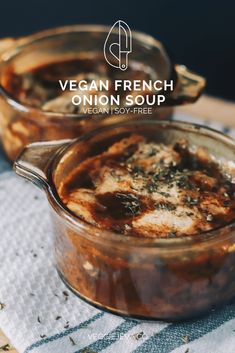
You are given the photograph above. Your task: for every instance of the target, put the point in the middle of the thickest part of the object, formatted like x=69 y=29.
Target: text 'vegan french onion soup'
x=146 y=189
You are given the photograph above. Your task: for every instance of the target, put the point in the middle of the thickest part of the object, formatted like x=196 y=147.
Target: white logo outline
x=122 y=54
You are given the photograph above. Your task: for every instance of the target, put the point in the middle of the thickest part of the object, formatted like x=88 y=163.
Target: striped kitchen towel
x=38 y=313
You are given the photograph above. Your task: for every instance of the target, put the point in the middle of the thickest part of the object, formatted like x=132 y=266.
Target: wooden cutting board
x=207 y=108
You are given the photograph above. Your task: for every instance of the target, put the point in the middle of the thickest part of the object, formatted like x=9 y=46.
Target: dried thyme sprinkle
x=43 y=336
x=5 y=348
x=184 y=182
x=58 y=317
x=66 y=325
x=164 y=174
x=172 y=234
x=165 y=194
x=187 y=350
x=152 y=152
x=191 y=201
x=66 y=295
x=39 y=319
x=165 y=206
x=136 y=170
x=226 y=203
x=185 y=339
x=72 y=341
x=138 y=335
x=171 y=207
x=151 y=187
x=189 y=214
x=2 y=306
x=130 y=203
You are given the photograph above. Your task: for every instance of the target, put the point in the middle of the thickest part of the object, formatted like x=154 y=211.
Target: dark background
x=199 y=34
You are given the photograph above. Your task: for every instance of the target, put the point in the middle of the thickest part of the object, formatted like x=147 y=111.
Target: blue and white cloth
x=42 y=316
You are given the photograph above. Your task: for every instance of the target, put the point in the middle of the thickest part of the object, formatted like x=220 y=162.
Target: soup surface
x=142 y=188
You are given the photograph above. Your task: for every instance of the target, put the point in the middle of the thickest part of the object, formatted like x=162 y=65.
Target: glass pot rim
x=98 y=234
x=20 y=44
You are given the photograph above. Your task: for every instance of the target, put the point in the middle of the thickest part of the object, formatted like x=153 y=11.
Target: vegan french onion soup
x=155 y=237
x=145 y=189
x=143 y=216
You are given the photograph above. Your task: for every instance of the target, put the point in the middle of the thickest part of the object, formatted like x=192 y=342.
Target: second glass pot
x=21 y=123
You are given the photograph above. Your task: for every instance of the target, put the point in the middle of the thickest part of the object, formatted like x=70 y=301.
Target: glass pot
x=167 y=279
x=21 y=124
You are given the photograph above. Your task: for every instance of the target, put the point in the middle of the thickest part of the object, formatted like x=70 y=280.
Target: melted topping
x=141 y=188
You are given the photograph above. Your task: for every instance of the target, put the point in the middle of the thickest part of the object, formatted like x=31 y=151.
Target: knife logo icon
x=116 y=50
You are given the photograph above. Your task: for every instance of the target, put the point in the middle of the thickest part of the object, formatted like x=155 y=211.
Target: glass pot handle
x=5 y=44
x=34 y=161
x=188 y=88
